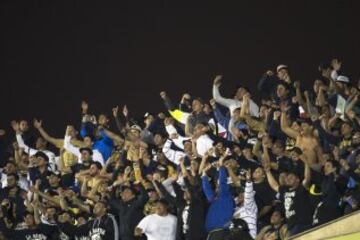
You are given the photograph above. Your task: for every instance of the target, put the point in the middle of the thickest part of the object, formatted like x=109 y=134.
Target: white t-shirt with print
x=157 y=227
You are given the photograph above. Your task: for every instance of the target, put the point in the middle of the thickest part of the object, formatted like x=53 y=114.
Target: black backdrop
x=55 y=53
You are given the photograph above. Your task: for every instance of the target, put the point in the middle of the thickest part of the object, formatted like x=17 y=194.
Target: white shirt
x=157 y=227
x=97 y=156
x=23 y=183
x=232 y=104
x=248 y=211
x=171 y=154
x=203 y=144
x=32 y=151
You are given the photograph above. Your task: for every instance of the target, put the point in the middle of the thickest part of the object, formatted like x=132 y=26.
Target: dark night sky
x=55 y=53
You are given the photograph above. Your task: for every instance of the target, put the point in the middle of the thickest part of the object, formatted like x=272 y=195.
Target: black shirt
x=297 y=205
x=37 y=233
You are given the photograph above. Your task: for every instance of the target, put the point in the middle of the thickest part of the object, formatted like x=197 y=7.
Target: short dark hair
x=98 y=165
x=42 y=155
x=89 y=150
x=163 y=202
x=335 y=165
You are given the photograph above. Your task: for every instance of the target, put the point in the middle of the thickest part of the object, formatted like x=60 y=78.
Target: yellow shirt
x=68 y=158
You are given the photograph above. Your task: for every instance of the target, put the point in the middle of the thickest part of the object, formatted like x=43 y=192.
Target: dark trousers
x=218 y=234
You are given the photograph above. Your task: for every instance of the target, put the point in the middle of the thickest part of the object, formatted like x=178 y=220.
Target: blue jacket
x=104 y=144
x=222 y=207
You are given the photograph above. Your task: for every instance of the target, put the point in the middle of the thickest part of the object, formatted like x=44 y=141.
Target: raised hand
x=284 y=107
x=125 y=111
x=84 y=107
x=115 y=111
x=68 y=130
x=163 y=94
x=217 y=80
x=246 y=97
x=206 y=168
x=213 y=103
x=185 y=97
x=269 y=73
x=277 y=115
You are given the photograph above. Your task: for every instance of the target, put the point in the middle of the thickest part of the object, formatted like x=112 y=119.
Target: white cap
x=281 y=66
x=136 y=127
x=342 y=79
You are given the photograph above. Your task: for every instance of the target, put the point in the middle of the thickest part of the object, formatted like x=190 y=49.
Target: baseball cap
x=342 y=79
x=281 y=66
x=136 y=127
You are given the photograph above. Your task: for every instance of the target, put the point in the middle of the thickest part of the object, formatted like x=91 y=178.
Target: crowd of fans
x=228 y=168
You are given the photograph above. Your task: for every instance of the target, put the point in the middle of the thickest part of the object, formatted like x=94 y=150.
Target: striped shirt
x=248 y=211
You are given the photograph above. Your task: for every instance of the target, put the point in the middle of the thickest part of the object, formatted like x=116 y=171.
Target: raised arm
x=15 y=125
x=142 y=198
x=204 y=161
x=220 y=118
x=298 y=95
x=224 y=187
x=286 y=128
x=249 y=201
x=208 y=191
x=245 y=108
x=272 y=181
x=43 y=133
x=118 y=122
x=113 y=136
x=174 y=156
x=352 y=104
x=67 y=144
x=216 y=93
x=307 y=172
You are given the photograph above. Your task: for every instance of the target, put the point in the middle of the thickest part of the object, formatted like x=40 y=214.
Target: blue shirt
x=222 y=206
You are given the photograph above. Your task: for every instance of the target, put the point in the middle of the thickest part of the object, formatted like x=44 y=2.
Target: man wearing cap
x=221 y=202
x=294 y=196
x=232 y=104
x=41 y=145
x=130 y=210
x=96 y=155
x=283 y=73
x=39 y=170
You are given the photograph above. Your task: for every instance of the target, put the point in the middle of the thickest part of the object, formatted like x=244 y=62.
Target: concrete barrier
x=344 y=228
